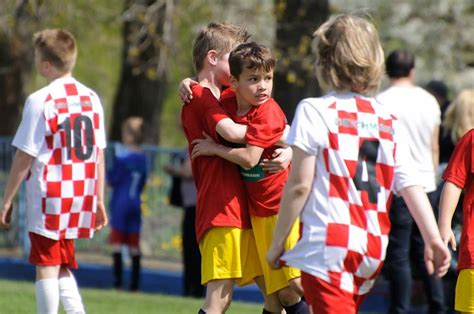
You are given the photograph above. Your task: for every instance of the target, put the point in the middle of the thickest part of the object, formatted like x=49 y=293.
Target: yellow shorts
x=263 y=227
x=464 y=300
x=227 y=253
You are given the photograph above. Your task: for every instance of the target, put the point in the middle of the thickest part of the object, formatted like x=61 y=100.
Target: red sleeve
x=266 y=125
x=461 y=163
x=211 y=108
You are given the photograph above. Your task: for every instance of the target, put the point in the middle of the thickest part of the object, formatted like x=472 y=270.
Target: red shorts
x=48 y=252
x=326 y=298
x=119 y=237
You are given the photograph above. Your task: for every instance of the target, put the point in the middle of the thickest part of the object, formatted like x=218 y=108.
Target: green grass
x=19 y=297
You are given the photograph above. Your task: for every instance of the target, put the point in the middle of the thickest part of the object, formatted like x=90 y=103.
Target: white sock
x=69 y=294
x=47 y=296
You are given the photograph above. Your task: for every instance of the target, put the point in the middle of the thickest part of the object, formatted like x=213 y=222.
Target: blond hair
x=221 y=37
x=459 y=116
x=350 y=57
x=57 y=46
x=133 y=130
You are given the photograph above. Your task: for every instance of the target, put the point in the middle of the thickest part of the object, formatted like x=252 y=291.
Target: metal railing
x=161 y=222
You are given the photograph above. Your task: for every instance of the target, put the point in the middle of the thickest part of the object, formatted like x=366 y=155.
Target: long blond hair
x=459 y=116
x=349 y=53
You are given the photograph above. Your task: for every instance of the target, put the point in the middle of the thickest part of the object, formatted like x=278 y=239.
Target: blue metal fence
x=161 y=235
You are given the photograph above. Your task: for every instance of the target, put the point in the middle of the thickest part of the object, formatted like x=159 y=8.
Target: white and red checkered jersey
x=360 y=157
x=63 y=128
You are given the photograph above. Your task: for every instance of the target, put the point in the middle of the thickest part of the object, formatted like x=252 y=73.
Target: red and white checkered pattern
x=345 y=230
x=64 y=176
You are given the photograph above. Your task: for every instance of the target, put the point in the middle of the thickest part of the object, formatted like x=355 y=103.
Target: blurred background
x=135 y=52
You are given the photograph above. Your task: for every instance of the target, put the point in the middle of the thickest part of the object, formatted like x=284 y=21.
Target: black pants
x=191 y=256
x=406 y=248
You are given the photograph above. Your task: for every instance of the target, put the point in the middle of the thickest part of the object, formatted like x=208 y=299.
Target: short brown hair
x=349 y=54
x=251 y=56
x=222 y=37
x=134 y=128
x=57 y=46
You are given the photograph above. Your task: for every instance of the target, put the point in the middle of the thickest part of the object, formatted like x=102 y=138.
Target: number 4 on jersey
x=365 y=178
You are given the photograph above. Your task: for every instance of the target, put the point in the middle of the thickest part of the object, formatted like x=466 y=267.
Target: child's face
x=254 y=86
x=223 y=73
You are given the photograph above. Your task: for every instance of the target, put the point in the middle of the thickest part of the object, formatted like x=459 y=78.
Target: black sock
x=135 y=280
x=265 y=311
x=117 y=269
x=201 y=311
x=299 y=308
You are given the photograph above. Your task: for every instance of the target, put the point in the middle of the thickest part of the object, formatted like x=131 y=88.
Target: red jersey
x=221 y=197
x=266 y=124
x=460 y=171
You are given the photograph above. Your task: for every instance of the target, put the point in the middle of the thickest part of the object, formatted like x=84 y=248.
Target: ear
x=234 y=82
x=46 y=66
x=212 y=57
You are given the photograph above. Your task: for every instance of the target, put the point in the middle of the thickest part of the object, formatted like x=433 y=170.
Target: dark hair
x=437 y=88
x=251 y=56
x=399 y=63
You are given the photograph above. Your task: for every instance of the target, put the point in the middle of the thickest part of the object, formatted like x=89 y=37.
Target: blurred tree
x=16 y=59
x=294 y=76
x=145 y=55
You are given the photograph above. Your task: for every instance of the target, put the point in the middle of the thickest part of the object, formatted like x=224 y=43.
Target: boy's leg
x=221 y=265
x=218 y=296
x=69 y=292
x=47 y=254
x=47 y=289
x=117 y=268
x=272 y=303
x=116 y=239
x=277 y=281
x=136 y=267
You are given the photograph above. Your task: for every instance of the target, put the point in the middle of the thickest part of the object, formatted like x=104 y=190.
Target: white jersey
x=419 y=113
x=63 y=128
x=360 y=158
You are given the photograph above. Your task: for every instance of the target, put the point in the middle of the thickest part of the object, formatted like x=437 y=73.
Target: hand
x=281 y=159
x=184 y=89
x=203 y=146
x=6 y=217
x=437 y=258
x=169 y=169
x=447 y=235
x=273 y=256
x=101 y=219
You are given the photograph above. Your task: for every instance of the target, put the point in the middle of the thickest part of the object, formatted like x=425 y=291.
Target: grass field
x=19 y=297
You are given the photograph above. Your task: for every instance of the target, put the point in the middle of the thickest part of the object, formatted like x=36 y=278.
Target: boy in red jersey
x=222 y=222
x=460 y=175
x=349 y=154
x=251 y=67
x=59 y=150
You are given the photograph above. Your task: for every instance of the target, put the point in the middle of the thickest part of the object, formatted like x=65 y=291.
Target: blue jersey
x=127 y=177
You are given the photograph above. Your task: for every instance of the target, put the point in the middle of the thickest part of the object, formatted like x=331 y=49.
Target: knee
x=297 y=286
x=288 y=296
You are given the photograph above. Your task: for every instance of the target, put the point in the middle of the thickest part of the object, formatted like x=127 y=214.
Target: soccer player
x=222 y=221
x=459 y=177
x=59 y=151
x=127 y=178
x=349 y=154
x=251 y=68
